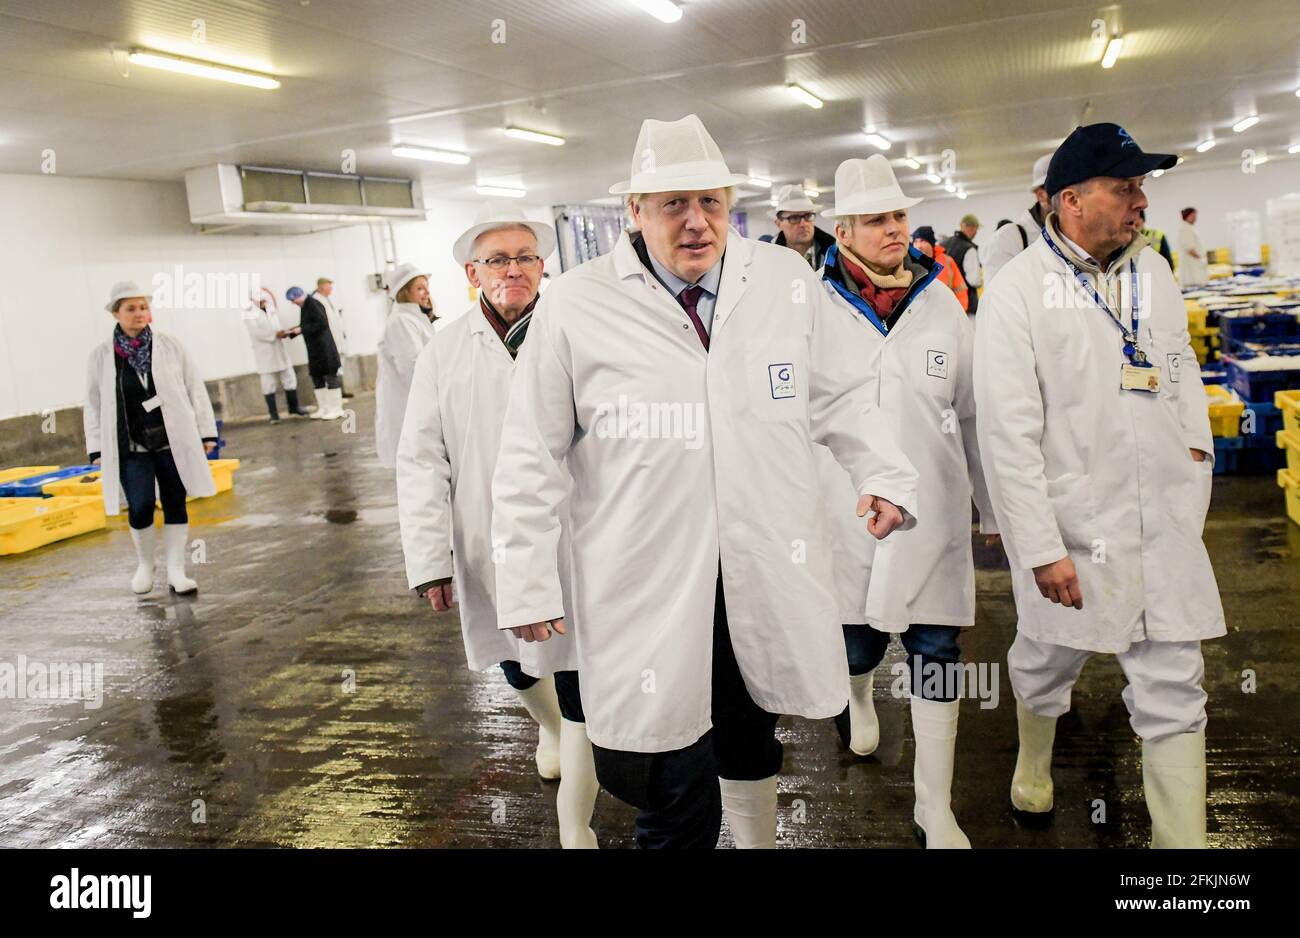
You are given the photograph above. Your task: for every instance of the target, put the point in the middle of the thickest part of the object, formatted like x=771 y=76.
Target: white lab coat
x=335 y=318
x=721 y=470
x=406 y=333
x=270 y=353
x=1006 y=243
x=445 y=458
x=1077 y=466
x=920 y=377
x=186 y=409
x=1192 y=272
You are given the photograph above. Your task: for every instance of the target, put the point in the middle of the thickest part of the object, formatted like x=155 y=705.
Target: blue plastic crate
x=1259 y=385
x=1268 y=421
x=221 y=443
x=1227 y=454
x=1214 y=374
x=31 y=486
x=1256 y=326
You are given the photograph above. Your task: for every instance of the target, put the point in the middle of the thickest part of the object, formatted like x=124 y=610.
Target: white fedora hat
x=676 y=155
x=867 y=187
x=121 y=290
x=793 y=199
x=501 y=214
x=1040 y=171
x=400 y=276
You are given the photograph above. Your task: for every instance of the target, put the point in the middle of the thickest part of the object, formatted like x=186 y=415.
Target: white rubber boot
x=864 y=726
x=750 y=808
x=319 y=412
x=576 y=799
x=544 y=707
x=934 y=725
x=144 y=539
x=1031 y=785
x=1173 y=776
x=335 y=404
x=175 y=537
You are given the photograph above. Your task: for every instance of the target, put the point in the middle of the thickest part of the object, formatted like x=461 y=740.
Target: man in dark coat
x=322 y=355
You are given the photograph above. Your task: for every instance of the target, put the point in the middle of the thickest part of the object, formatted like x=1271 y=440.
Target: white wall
x=64 y=242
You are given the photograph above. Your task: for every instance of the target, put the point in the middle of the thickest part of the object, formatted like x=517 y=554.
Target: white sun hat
x=1040 y=171
x=867 y=187
x=121 y=290
x=400 y=276
x=501 y=214
x=676 y=155
x=793 y=199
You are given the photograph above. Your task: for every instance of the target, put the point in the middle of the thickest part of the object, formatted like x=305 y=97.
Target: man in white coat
x=445 y=459
x=1096 y=446
x=271 y=353
x=914 y=349
x=1010 y=240
x=680 y=383
x=1193 y=267
x=407 y=331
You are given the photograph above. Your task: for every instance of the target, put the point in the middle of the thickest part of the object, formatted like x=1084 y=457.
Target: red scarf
x=882 y=299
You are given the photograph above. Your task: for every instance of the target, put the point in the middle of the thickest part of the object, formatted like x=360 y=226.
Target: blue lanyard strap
x=1131 y=349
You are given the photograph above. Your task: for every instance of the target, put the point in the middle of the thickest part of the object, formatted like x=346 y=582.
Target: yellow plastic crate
x=1290 y=483
x=1289 y=441
x=1196 y=318
x=223 y=473
x=223 y=476
x=1225 y=411
x=1289 y=403
x=23 y=472
x=29 y=523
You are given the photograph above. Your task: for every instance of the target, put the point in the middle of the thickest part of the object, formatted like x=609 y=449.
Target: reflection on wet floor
x=304 y=698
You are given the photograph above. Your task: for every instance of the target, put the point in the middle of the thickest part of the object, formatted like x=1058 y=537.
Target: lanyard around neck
x=1131 y=349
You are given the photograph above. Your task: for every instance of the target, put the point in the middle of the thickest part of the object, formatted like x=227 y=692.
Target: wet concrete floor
x=305 y=698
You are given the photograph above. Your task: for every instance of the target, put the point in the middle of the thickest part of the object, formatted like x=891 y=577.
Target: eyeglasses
x=501 y=262
x=796 y=217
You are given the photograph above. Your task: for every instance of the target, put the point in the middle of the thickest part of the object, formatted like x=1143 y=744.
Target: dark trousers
x=677 y=792
x=924 y=644
x=567 y=689
x=138 y=473
x=326 y=381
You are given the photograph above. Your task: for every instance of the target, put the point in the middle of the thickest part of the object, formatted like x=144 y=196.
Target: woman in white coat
x=271 y=353
x=915 y=355
x=407 y=331
x=445 y=460
x=1193 y=266
x=148 y=421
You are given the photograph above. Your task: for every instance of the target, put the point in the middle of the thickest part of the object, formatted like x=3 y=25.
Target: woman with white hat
x=445 y=459
x=148 y=422
x=913 y=349
x=408 y=329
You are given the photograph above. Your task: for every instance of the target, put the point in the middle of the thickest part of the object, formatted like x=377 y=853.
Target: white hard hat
x=400 y=276
x=793 y=199
x=867 y=187
x=121 y=290
x=676 y=155
x=1040 y=171
x=500 y=214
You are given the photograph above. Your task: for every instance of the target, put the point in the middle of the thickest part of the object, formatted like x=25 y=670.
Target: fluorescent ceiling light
x=950 y=187
x=812 y=193
x=504 y=191
x=1245 y=123
x=1293 y=149
x=1206 y=145
x=662 y=10
x=1157 y=173
x=934 y=178
x=803 y=95
x=760 y=182
x=533 y=136
x=1113 y=49
x=1180 y=161
x=175 y=63
x=961 y=193
x=911 y=163
x=1261 y=158
x=429 y=153
x=879 y=142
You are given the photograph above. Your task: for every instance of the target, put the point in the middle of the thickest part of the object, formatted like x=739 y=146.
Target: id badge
x=1136 y=378
x=152 y=404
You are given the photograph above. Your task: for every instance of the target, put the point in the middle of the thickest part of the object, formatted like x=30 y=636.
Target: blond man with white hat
x=912 y=347
x=680 y=382
x=445 y=459
x=407 y=331
x=1025 y=228
x=794 y=215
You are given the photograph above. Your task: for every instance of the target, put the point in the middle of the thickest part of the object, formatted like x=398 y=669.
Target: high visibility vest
x=951 y=275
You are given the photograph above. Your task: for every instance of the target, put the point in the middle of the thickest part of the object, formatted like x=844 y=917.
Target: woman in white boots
x=148 y=421
x=445 y=460
x=916 y=347
x=407 y=331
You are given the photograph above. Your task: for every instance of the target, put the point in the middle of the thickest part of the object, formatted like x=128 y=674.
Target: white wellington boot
x=544 y=707
x=1031 y=785
x=934 y=725
x=576 y=799
x=750 y=808
x=1173 y=777
x=174 y=545
x=144 y=539
x=864 y=725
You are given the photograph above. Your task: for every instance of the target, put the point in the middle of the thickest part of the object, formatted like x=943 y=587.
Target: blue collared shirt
x=712 y=277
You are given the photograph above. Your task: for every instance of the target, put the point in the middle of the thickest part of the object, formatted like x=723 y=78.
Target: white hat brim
x=871 y=207
x=544 y=233
x=666 y=182
x=415 y=273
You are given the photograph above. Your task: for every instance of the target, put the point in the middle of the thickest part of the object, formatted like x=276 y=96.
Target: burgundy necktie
x=689 y=298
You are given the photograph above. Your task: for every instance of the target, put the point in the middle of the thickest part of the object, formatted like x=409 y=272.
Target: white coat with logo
x=920 y=378
x=186 y=410
x=682 y=460
x=1078 y=467
x=270 y=353
x=445 y=457
x=406 y=333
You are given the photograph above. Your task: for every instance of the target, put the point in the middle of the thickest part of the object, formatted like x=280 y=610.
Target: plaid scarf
x=511 y=335
x=882 y=292
x=138 y=352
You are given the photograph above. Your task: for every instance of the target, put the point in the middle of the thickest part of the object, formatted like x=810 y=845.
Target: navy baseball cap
x=293 y=294
x=1101 y=150
x=925 y=233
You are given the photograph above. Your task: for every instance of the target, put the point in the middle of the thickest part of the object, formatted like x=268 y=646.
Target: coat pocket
x=1076 y=515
